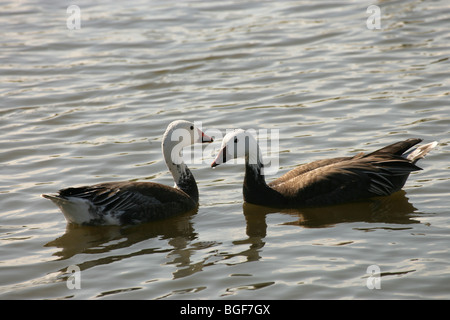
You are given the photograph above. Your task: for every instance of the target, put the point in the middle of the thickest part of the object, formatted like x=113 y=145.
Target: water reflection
x=393 y=209
x=180 y=246
x=178 y=231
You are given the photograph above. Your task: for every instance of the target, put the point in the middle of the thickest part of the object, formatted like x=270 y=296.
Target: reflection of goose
x=395 y=209
x=176 y=231
x=169 y=239
x=116 y=203
x=324 y=182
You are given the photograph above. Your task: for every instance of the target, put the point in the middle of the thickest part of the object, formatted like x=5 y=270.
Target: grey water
x=86 y=98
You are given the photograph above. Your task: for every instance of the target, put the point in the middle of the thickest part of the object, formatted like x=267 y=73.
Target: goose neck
x=181 y=174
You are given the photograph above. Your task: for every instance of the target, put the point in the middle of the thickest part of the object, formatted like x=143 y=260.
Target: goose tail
x=420 y=152
x=56 y=199
x=75 y=210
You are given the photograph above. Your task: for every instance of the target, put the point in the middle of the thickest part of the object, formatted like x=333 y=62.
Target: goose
x=125 y=202
x=323 y=182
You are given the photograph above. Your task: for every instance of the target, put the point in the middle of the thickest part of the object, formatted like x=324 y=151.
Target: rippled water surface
x=89 y=105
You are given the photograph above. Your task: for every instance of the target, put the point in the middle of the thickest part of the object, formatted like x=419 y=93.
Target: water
x=90 y=105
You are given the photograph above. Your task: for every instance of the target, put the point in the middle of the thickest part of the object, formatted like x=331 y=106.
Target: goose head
x=236 y=144
x=184 y=133
x=180 y=134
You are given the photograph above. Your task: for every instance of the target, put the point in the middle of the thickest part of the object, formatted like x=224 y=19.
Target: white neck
x=254 y=156
x=184 y=180
x=172 y=156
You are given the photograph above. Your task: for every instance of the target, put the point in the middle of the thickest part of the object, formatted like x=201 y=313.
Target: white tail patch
x=75 y=210
x=421 y=151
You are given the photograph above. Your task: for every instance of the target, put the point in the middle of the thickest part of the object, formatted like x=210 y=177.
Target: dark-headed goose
x=117 y=203
x=323 y=182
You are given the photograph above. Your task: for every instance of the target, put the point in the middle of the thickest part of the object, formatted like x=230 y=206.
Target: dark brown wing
x=344 y=179
x=309 y=167
x=132 y=202
x=398 y=148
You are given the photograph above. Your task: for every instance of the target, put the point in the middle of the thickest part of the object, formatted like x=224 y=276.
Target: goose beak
x=206 y=138
x=221 y=158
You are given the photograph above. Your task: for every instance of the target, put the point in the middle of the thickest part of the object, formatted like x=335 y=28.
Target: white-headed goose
x=117 y=203
x=323 y=182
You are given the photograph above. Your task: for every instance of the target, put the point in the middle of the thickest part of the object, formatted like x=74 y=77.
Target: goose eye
x=192 y=127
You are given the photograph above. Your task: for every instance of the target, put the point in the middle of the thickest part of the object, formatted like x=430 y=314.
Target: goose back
x=337 y=180
x=122 y=203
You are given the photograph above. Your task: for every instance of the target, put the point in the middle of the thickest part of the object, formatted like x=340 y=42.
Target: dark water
x=89 y=105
